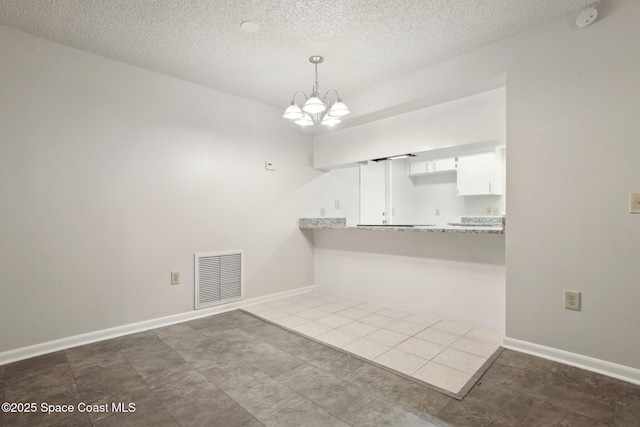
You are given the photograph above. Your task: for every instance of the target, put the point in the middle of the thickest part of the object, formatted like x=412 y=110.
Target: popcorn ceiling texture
x=364 y=42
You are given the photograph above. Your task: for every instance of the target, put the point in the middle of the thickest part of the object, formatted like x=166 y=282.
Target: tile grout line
x=229 y=396
x=530 y=407
x=198 y=370
x=66 y=357
x=189 y=363
x=145 y=382
x=327 y=410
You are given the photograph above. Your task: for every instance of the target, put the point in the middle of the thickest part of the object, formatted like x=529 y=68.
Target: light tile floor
x=443 y=353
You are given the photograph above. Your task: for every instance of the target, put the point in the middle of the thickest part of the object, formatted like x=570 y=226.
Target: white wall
x=562 y=136
x=403 y=195
x=112 y=176
x=341 y=185
x=572 y=112
x=468 y=120
x=372 y=192
x=439 y=192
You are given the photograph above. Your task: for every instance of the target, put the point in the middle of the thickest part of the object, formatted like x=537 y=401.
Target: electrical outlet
x=634 y=202
x=337 y=204
x=572 y=300
x=322 y=212
x=496 y=211
x=489 y=210
x=175 y=277
x=437 y=212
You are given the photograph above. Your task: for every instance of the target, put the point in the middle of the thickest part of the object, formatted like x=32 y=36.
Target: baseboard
x=603 y=367
x=104 y=334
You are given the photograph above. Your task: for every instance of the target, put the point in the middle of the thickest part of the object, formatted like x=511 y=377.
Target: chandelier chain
x=316 y=88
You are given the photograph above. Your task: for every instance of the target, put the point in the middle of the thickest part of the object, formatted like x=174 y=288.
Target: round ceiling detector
x=587 y=17
x=249 y=27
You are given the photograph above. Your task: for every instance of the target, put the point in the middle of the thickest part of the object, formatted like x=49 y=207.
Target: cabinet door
x=420 y=167
x=444 y=165
x=479 y=174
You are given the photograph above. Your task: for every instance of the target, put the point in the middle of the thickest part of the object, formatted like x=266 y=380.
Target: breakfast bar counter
x=470 y=224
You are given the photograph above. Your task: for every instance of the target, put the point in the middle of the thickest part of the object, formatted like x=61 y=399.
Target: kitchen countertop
x=473 y=226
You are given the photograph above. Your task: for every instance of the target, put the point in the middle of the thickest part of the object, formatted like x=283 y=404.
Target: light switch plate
x=270 y=166
x=634 y=202
x=572 y=300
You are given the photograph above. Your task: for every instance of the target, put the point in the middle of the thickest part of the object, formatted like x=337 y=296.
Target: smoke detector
x=587 y=17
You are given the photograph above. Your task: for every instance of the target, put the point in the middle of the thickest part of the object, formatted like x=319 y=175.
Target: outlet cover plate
x=572 y=300
x=175 y=278
x=634 y=203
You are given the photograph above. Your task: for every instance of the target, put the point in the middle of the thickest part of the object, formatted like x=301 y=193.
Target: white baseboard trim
x=104 y=334
x=599 y=366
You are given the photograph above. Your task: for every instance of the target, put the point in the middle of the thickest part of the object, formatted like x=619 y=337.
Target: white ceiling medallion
x=316 y=110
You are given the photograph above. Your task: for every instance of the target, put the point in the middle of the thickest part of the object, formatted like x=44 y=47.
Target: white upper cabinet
x=444 y=165
x=481 y=173
x=421 y=167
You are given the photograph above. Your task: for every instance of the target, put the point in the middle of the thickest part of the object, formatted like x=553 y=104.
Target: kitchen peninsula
x=454 y=272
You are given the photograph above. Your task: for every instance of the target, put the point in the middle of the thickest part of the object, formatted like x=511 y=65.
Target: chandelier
x=316 y=110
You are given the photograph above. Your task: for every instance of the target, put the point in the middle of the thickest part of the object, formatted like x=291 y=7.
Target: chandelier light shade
x=338 y=109
x=329 y=120
x=314 y=105
x=293 y=112
x=316 y=110
x=305 y=120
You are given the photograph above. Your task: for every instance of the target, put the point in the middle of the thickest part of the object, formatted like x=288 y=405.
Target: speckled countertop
x=476 y=225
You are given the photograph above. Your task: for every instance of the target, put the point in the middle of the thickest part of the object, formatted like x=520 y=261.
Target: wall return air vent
x=219 y=278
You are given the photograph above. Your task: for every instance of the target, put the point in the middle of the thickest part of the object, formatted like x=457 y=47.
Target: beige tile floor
x=440 y=352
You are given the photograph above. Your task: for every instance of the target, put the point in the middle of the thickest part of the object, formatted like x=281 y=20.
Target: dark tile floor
x=235 y=370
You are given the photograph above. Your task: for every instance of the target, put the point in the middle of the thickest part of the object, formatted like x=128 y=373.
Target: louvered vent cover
x=218 y=278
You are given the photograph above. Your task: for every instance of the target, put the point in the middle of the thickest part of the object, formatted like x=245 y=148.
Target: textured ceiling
x=364 y=42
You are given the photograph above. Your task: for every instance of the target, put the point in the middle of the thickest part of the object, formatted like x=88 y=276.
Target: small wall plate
x=572 y=300
x=587 y=17
x=634 y=203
